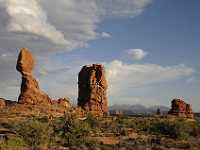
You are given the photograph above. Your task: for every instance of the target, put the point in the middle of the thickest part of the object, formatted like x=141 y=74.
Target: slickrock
x=92 y=95
x=181 y=109
x=30 y=91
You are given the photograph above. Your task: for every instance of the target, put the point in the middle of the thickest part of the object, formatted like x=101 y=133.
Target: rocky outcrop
x=30 y=91
x=189 y=112
x=63 y=102
x=2 y=103
x=6 y=103
x=92 y=95
x=181 y=109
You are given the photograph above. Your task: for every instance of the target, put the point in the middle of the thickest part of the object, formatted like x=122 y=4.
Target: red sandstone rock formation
x=189 y=112
x=30 y=91
x=63 y=102
x=2 y=103
x=93 y=89
x=181 y=109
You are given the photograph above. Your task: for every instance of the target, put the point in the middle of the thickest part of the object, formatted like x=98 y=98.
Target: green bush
x=92 y=121
x=35 y=133
x=13 y=143
x=71 y=131
x=177 y=129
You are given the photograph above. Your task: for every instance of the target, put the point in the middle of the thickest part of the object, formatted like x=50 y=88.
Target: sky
x=150 y=48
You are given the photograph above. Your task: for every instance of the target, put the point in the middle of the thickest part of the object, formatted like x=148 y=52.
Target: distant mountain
x=138 y=109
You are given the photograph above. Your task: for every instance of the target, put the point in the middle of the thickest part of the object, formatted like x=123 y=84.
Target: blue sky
x=150 y=48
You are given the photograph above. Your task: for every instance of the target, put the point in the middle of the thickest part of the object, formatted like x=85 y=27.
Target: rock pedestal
x=92 y=95
x=181 y=109
x=30 y=91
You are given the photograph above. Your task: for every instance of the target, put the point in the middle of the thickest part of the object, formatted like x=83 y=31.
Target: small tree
x=158 y=112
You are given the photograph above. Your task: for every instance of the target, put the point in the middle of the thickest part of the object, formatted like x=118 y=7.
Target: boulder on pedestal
x=30 y=91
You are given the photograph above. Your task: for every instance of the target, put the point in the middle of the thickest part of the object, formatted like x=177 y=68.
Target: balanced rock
x=181 y=109
x=92 y=95
x=30 y=91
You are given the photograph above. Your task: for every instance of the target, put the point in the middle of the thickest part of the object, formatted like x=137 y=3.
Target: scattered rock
x=30 y=91
x=181 y=109
x=64 y=103
x=93 y=89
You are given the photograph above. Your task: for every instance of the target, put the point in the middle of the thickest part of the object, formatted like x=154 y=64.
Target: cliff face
x=30 y=91
x=92 y=96
x=181 y=109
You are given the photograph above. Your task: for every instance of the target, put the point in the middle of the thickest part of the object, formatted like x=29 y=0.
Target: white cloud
x=57 y=25
x=29 y=17
x=106 y=35
x=123 y=8
x=123 y=77
x=137 y=54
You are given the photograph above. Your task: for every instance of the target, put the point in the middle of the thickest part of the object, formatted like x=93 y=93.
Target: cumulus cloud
x=47 y=25
x=123 y=77
x=29 y=17
x=56 y=25
x=137 y=54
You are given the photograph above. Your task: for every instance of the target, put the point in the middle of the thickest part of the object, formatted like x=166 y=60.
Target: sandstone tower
x=92 y=84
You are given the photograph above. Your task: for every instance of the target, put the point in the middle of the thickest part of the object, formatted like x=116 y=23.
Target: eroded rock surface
x=63 y=102
x=2 y=103
x=30 y=91
x=93 y=89
x=181 y=109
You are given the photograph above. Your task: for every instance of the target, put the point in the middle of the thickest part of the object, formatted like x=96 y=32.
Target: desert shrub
x=13 y=143
x=93 y=121
x=178 y=129
x=35 y=133
x=140 y=124
x=122 y=120
x=194 y=129
x=71 y=131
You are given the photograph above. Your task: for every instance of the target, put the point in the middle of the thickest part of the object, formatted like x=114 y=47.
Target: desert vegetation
x=114 y=132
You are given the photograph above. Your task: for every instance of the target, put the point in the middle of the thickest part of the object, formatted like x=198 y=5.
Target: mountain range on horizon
x=138 y=109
